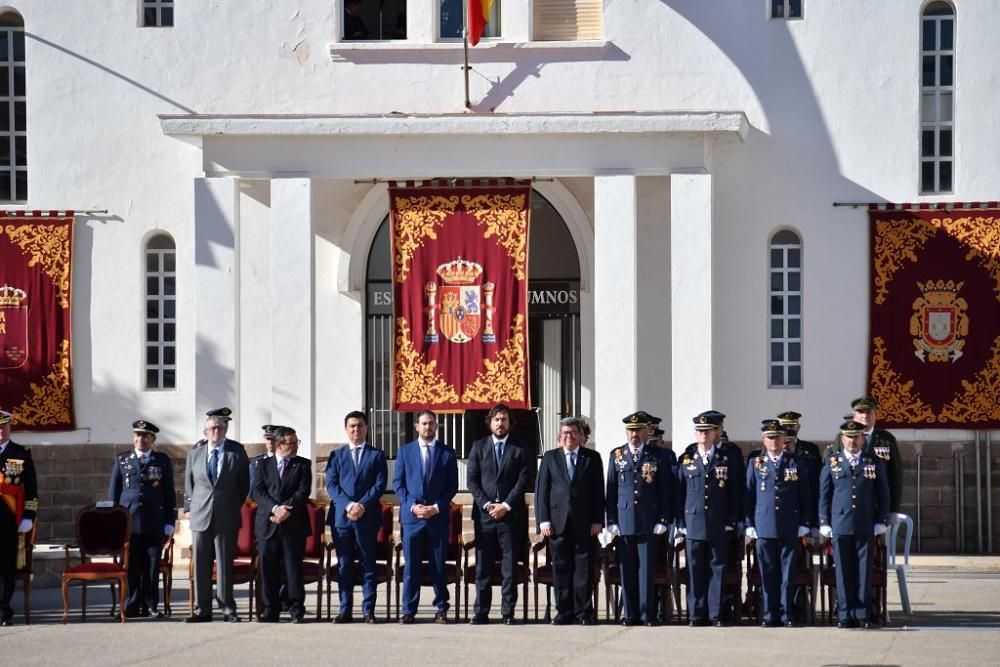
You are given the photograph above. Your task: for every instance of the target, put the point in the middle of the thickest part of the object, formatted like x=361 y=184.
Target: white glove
x=168 y=530
x=729 y=529
x=682 y=530
x=803 y=531
x=613 y=529
x=678 y=540
x=826 y=531
x=659 y=529
x=751 y=532
x=880 y=529
x=25 y=525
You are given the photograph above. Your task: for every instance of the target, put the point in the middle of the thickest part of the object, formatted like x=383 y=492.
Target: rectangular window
x=567 y=20
x=157 y=13
x=160 y=360
x=451 y=17
x=937 y=65
x=785 y=316
x=376 y=20
x=785 y=9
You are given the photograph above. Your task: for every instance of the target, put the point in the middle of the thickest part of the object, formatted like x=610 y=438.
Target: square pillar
x=616 y=305
x=293 y=396
x=691 y=302
x=216 y=277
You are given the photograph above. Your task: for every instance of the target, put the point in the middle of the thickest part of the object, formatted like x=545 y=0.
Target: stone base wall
x=72 y=476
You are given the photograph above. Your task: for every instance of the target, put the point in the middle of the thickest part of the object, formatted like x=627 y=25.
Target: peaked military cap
x=771 y=428
x=852 y=428
x=864 y=403
x=221 y=413
x=5 y=417
x=655 y=421
x=707 y=421
x=269 y=430
x=790 y=418
x=143 y=426
x=639 y=419
x=715 y=413
x=658 y=432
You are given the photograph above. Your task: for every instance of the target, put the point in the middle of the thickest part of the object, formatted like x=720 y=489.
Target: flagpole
x=465 y=40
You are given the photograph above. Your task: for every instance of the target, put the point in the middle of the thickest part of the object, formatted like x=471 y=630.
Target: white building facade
x=680 y=142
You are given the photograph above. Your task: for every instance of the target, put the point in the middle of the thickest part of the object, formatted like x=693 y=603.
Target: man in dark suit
x=425 y=480
x=282 y=525
x=710 y=489
x=19 y=488
x=143 y=481
x=779 y=501
x=853 y=509
x=639 y=507
x=216 y=483
x=569 y=509
x=355 y=481
x=498 y=476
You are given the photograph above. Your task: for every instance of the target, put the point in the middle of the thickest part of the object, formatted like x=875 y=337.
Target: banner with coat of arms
x=934 y=354
x=460 y=282
x=35 y=324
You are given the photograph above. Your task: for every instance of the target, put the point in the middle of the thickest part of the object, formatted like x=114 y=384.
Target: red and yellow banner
x=479 y=16
x=35 y=322
x=460 y=281
x=935 y=318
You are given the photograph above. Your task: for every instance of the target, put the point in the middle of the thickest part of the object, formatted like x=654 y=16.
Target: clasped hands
x=355 y=511
x=496 y=510
x=281 y=514
x=424 y=511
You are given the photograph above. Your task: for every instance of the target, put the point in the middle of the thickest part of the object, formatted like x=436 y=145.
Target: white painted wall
x=832 y=101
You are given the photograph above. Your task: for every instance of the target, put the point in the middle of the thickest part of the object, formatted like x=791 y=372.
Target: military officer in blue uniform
x=142 y=481
x=731 y=449
x=639 y=509
x=17 y=469
x=268 y=430
x=709 y=477
x=779 y=500
x=809 y=452
x=853 y=508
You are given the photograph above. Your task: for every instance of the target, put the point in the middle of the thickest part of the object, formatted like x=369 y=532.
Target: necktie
x=213 y=466
x=427 y=462
x=571 y=468
x=281 y=468
x=498 y=452
x=357 y=457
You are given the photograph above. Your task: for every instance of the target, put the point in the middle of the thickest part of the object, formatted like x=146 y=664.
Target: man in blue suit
x=143 y=481
x=779 y=499
x=853 y=508
x=709 y=487
x=355 y=480
x=639 y=509
x=426 y=479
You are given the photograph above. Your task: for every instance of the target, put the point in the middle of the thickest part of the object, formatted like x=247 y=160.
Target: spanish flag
x=479 y=13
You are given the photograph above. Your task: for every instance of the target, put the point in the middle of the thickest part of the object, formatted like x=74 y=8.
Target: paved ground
x=956 y=621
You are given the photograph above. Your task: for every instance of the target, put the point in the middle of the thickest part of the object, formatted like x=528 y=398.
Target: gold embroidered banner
x=934 y=354
x=35 y=323
x=460 y=282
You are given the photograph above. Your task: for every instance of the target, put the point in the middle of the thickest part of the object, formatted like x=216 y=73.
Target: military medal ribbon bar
x=460 y=281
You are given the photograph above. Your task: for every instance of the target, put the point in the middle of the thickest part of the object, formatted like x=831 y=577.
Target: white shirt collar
x=502 y=441
x=427 y=444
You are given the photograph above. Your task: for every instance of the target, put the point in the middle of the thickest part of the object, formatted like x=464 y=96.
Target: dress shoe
x=630 y=622
x=700 y=623
x=846 y=624
x=198 y=618
x=298 y=618
x=867 y=625
x=587 y=621
x=479 y=619
x=651 y=624
x=562 y=620
x=268 y=616
x=231 y=618
x=509 y=620
x=441 y=618
x=718 y=623
x=369 y=618
x=407 y=619
x=343 y=618
x=7 y=620
x=789 y=624
x=155 y=613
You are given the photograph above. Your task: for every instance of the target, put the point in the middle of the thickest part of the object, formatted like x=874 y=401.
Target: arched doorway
x=553 y=339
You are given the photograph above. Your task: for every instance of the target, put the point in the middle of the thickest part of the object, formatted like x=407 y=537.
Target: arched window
x=13 y=133
x=553 y=338
x=161 y=313
x=937 y=90
x=785 y=295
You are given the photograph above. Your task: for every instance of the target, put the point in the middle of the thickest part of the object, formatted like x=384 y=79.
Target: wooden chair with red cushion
x=522 y=569
x=314 y=557
x=244 y=561
x=23 y=574
x=167 y=571
x=384 y=547
x=452 y=559
x=101 y=532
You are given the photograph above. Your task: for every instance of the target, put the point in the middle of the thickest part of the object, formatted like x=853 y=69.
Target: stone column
x=691 y=304
x=616 y=389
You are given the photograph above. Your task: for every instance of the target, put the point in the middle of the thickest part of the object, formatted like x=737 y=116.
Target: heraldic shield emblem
x=13 y=327
x=939 y=321
x=461 y=300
